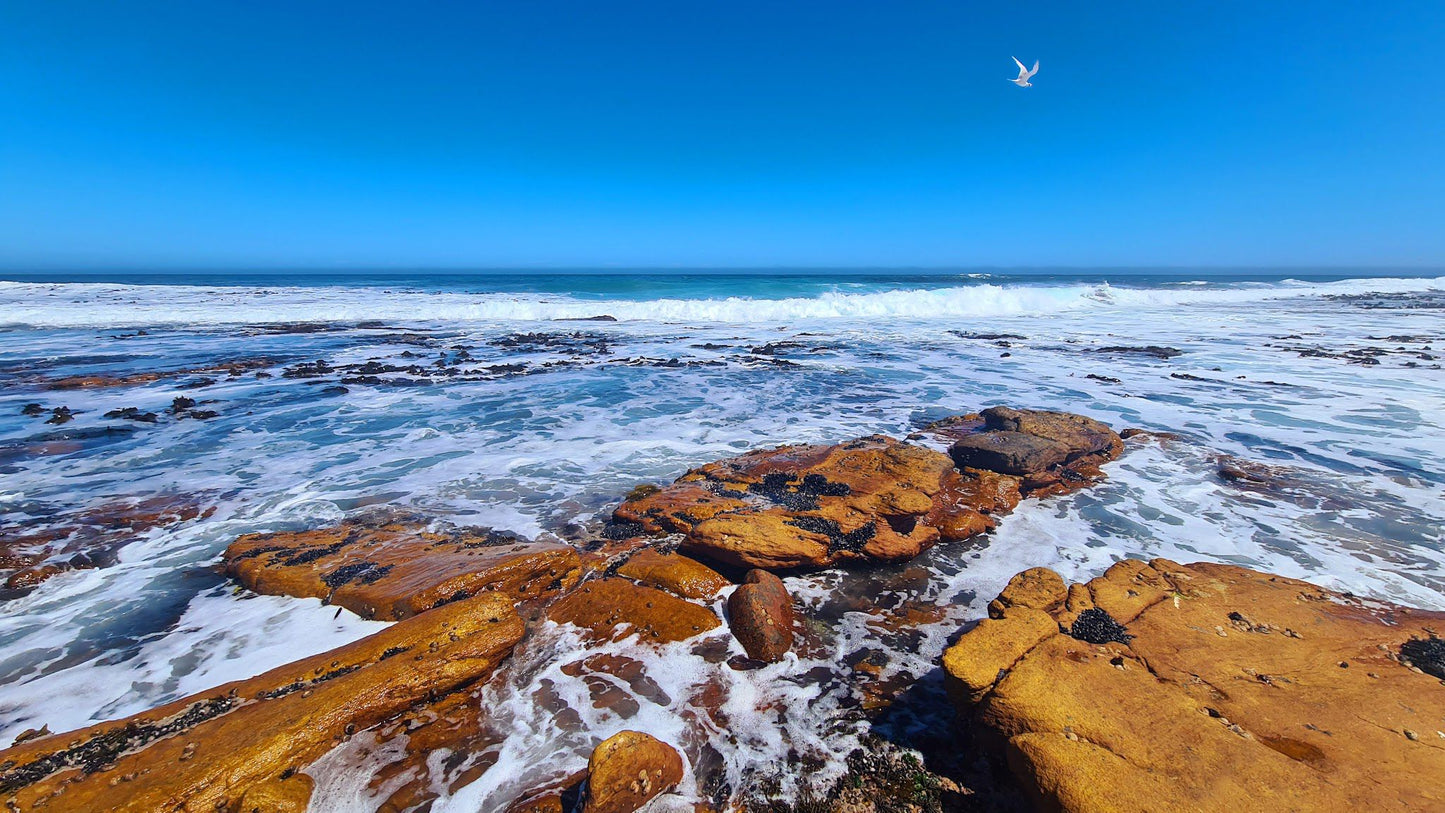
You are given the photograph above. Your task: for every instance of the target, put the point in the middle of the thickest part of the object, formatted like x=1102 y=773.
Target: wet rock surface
x=760 y=614
x=628 y=770
x=245 y=743
x=871 y=500
x=612 y=608
x=1052 y=452
x=801 y=506
x=391 y=567
x=1162 y=686
x=34 y=546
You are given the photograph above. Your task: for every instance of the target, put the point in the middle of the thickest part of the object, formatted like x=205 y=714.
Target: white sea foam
x=118 y=305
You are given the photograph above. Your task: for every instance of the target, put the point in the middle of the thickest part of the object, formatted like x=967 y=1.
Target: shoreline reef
x=1155 y=686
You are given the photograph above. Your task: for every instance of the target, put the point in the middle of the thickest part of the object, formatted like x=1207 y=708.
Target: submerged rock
x=1162 y=686
x=242 y=745
x=760 y=614
x=392 y=567
x=31 y=552
x=628 y=770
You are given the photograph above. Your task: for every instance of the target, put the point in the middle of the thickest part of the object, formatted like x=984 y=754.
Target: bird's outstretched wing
x=1022 y=69
x=1036 y=67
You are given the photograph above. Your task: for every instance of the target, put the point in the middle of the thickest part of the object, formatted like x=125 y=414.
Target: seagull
x=1024 y=73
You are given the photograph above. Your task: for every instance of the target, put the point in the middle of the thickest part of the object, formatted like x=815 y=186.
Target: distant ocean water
x=492 y=402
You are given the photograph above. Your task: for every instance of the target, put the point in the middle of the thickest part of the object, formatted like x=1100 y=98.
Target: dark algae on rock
x=1426 y=654
x=1098 y=627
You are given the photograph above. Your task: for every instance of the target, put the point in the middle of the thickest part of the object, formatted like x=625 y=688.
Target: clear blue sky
x=697 y=132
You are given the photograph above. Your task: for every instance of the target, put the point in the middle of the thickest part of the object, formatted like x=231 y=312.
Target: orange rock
x=628 y=770
x=615 y=608
x=391 y=568
x=244 y=742
x=802 y=506
x=1204 y=687
x=674 y=573
x=1051 y=452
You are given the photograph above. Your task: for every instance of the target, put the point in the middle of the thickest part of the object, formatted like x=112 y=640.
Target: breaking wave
x=117 y=305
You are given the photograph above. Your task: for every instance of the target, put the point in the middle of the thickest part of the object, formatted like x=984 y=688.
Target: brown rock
x=1203 y=687
x=760 y=614
x=615 y=608
x=628 y=770
x=390 y=568
x=1050 y=452
x=1080 y=434
x=674 y=573
x=874 y=499
x=107 y=380
x=1148 y=434
x=213 y=750
x=1038 y=588
x=1008 y=452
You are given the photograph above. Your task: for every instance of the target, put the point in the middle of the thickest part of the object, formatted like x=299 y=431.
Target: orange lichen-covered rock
x=1207 y=687
x=674 y=573
x=870 y=500
x=628 y=770
x=392 y=567
x=615 y=608
x=802 y=506
x=244 y=742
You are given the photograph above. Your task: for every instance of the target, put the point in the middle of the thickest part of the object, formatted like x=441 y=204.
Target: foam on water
x=1260 y=377
x=120 y=305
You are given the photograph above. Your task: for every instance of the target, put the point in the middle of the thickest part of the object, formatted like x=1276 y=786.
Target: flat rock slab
x=244 y=745
x=391 y=569
x=874 y=499
x=1206 y=687
x=615 y=608
x=870 y=500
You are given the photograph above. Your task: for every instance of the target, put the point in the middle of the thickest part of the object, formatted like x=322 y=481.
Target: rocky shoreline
x=1156 y=686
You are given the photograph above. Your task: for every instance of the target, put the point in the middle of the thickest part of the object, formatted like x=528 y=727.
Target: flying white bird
x=1024 y=73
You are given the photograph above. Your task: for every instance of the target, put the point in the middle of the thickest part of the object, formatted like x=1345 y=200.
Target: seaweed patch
x=359 y=572
x=1425 y=654
x=852 y=541
x=100 y=751
x=795 y=495
x=1096 y=626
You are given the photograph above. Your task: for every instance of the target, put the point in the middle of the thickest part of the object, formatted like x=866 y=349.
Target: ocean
x=531 y=401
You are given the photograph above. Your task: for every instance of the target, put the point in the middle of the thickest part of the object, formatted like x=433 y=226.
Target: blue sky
x=692 y=133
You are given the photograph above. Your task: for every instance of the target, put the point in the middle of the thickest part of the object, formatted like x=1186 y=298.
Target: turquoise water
x=484 y=405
